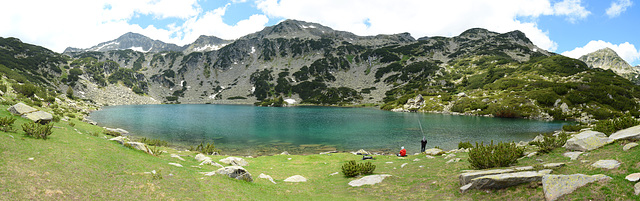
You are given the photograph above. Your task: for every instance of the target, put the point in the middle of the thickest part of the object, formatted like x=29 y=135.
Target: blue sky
x=569 y=27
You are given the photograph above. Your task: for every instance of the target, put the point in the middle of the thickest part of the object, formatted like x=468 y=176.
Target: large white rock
x=39 y=117
x=209 y=162
x=21 y=108
x=434 y=151
x=573 y=155
x=296 y=178
x=606 y=164
x=499 y=181
x=202 y=157
x=140 y=146
x=633 y=177
x=234 y=161
x=368 y=180
x=118 y=130
x=264 y=176
x=587 y=140
x=120 y=139
x=175 y=164
x=629 y=133
x=629 y=146
x=235 y=172
x=636 y=188
x=555 y=186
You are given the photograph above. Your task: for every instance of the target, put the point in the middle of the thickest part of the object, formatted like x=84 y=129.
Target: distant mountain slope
x=133 y=41
x=25 y=62
x=206 y=43
x=606 y=59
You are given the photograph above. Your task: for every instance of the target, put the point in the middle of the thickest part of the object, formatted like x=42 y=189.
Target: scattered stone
x=434 y=152
x=606 y=164
x=175 y=164
x=21 y=108
x=209 y=162
x=416 y=160
x=208 y=173
x=455 y=160
x=264 y=176
x=202 y=157
x=31 y=159
x=636 y=189
x=236 y=172
x=629 y=146
x=335 y=173
x=430 y=157
x=389 y=162
x=140 y=146
x=555 y=186
x=328 y=152
x=633 y=177
x=177 y=156
x=288 y=159
x=89 y=121
x=538 y=138
x=449 y=156
x=500 y=181
x=120 y=139
x=118 y=130
x=587 y=140
x=531 y=154
x=39 y=117
x=234 y=161
x=404 y=164
x=296 y=178
x=361 y=152
x=284 y=153
x=629 y=133
x=465 y=178
x=522 y=144
x=573 y=155
x=553 y=165
x=368 y=180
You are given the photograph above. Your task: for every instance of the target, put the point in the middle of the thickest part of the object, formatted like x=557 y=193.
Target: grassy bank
x=76 y=165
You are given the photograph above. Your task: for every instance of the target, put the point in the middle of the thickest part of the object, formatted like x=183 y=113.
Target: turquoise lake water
x=250 y=130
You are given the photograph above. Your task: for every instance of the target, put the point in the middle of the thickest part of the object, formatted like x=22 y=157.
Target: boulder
x=235 y=172
x=633 y=177
x=39 y=117
x=361 y=152
x=449 y=156
x=587 y=140
x=118 y=130
x=175 y=164
x=234 y=161
x=555 y=186
x=434 y=151
x=285 y=153
x=177 y=156
x=209 y=162
x=140 y=146
x=120 y=139
x=500 y=181
x=368 y=180
x=264 y=176
x=632 y=133
x=636 y=189
x=21 y=108
x=296 y=178
x=629 y=146
x=573 y=155
x=465 y=178
x=202 y=157
x=606 y=164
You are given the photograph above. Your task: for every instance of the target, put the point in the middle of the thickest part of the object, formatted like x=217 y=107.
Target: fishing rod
x=421 y=128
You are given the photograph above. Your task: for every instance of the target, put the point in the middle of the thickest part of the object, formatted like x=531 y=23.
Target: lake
x=250 y=130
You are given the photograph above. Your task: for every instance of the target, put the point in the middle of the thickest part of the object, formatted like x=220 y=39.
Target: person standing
x=423 y=144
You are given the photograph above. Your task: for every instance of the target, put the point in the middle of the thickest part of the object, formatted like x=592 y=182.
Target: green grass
x=70 y=165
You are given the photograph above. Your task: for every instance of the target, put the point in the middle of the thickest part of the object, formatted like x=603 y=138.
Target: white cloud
x=572 y=9
x=618 y=7
x=627 y=51
x=421 y=18
x=211 y=23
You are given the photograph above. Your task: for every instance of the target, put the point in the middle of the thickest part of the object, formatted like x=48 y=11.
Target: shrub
x=111 y=133
x=366 y=168
x=208 y=149
x=465 y=145
x=94 y=134
x=6 y=124
x=549 y=143
x=500 y=155
x=350 y=169
x=155 y=150
x=25 y=89
x=612 y=125
x=153 y=142
x=72 y=124
x=37 y=131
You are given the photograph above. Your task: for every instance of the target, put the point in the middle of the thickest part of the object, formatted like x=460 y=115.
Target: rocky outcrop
x=555 y=186
x=632 y=133
x=39 y=117
x=234 y=161
x=209 y=162
x=267 y=177
x=118 y=130
x=606 y=164
x=434 y=152
x=120 y=139
x=587 y=140
x=607 y=59
x=202 y=157
x=369 y=180
x=466 y=177
x=235 y=172
x=21 y=108
x=139 y=146
x=505 y=180
x=296 y=178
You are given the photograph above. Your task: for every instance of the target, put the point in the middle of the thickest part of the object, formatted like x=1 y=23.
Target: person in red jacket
x=403 y=152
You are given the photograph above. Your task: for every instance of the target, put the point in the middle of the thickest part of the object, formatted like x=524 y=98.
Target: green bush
x=366 y=168
x=111 y=133
x=350 y=169
x=37 y=131
x=612 y=125
x=500 y=155
x=208 y=149
x=25 y=89
x=153 y=142
x=549 y=143
x=6 y=124
x=72 y=124
x=155 y=150
x=465 y=145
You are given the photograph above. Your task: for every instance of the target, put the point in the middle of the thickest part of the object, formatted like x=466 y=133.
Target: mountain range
x=478 y=72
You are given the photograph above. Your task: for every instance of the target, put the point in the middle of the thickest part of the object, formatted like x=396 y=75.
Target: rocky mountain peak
x=477 y=33
x=130 y=40
x=206 y=43
x=293 y=29
x=607 y=58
